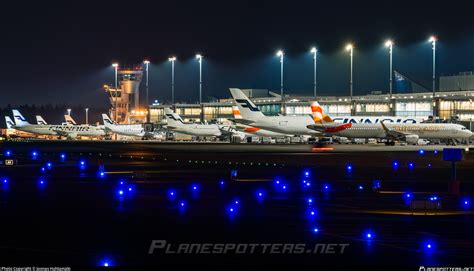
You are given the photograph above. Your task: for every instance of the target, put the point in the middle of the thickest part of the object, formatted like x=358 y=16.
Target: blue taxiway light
x=5 y=180
x=428 y=245
x=49 y=164
x=316 y=230
x=130 y=189
x=411 y=165
x=349 y=168
x=421 y=152
x=435 y=152
x=307 y=173
x=182 y=204
x=369 y=235
x=326 y=186
x=43 y=169
x=310 y=201
x=434 y=198
x=429 y=165
x=8 y=153
x=408 y=195
x=62 y=156
x=395 y=164
x=105 y=263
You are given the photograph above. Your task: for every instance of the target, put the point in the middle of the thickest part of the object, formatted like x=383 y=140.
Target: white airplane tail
x=172 y=118
x=19 y=119
x=107 y=121
x=69 y=120
x=247 y=108
x=319 y=116
x=9 y=122
x=40 y=120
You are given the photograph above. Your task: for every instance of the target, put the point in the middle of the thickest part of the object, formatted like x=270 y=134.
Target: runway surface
x=122 y=196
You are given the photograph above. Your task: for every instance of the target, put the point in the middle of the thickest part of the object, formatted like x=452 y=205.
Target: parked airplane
x=293 y=125
x=137 y=130
x=40 y=120
x=251 y=130
x=176 y=124
x=409 y=132
x=68 y=131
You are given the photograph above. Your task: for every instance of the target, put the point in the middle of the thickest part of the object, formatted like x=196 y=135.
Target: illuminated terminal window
x=337 y=109
x=372 y=108
x=414 y=109
x=270 y=109
x=297 y=109
x=188 y=111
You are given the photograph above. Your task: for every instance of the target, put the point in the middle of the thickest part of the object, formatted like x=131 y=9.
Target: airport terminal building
x=453 y=100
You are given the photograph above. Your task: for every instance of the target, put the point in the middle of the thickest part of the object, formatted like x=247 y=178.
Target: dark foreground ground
x=71 y=215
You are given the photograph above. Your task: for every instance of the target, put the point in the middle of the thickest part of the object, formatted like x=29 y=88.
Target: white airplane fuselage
x=196 y=129
x=423 y=130
x=76 y=130
x=289 y=125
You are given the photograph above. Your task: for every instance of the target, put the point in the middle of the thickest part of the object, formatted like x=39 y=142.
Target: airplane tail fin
x=69 y=120
x=107 y=121
x=19 y=119
x=40 y=120
x=9 y=122
x=172 y=118
x=236 y=112
x=319 y=116
x=247 y=108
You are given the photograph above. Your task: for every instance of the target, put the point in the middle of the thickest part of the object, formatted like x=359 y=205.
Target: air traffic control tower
x=125 y=100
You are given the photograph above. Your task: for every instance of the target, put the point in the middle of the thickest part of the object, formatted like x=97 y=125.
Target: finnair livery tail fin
x=247 y=108
x=319 y=116
x=69 y=120
x=236 y=112
x=40 y=120
x=9 y=122
x=107 y=120
x=172 y=118
x=19 y=119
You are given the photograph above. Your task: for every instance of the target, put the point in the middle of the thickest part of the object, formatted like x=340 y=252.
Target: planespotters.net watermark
x=443 y=268
x=162 y=246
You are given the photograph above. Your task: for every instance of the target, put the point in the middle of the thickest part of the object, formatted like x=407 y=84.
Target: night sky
x=56 y=53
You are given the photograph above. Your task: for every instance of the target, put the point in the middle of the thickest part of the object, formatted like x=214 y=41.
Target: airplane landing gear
x=389 y=143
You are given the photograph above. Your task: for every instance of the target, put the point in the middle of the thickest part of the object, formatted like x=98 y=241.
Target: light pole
x=87 y=116
x=433 y=43
x=314 y=51
x=147 y=63
x=115 y=65
x=172 y=60
x=389 y=45
x=199 y=58
x=281 y=54
x=350 y=48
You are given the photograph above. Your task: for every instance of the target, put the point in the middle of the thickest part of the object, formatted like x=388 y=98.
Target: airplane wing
x=392 y=134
